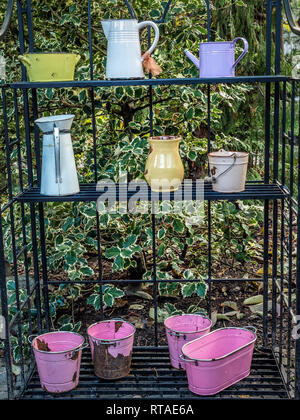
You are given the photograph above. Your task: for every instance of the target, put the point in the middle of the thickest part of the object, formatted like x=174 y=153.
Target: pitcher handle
x=142 y=25
x=56 y=136
x=246 y=47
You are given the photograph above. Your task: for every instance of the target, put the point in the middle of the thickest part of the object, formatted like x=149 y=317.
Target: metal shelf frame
x=274 y=373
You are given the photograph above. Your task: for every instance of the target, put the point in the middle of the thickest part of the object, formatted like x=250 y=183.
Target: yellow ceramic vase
x=164 y=170
x=50 y=67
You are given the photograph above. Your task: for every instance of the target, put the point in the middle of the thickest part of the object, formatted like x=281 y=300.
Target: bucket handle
x=31 y=337
x=213 y=178
x=251 y=328
x=84 y=346
x=181 y=357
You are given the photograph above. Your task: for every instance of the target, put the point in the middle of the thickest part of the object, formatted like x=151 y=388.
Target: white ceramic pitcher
x=124 y=57
x=59 y=175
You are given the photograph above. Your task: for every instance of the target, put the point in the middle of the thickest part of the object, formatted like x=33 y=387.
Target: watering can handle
x=142 y=25
x=246 y=46
x=7 y=19
x=56 y=137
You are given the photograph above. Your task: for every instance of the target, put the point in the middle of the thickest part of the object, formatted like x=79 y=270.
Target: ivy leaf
x=201 y=289
x=178 y=226
x=130 y=240
x=116 y=293
x=188 y=289
x=71 y=258
x=190 y=113
x=161 y=233
x=112 y=252
x=68 y=223
x=126 y=253
x=86 y=271
x=161 y=250
x=108 y=299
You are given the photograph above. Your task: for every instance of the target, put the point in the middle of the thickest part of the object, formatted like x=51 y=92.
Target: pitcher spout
x=106 y=27
x=192 y=58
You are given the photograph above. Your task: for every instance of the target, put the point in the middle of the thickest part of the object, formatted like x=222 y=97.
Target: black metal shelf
x=125 y=192
x=152 y=377
x=148 y=82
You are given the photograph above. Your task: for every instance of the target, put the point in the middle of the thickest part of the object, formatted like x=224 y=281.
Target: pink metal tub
x=58 y=357
x=219 y=359
x=181 y=329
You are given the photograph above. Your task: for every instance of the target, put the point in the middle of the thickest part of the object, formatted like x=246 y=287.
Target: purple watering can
x=217 y=59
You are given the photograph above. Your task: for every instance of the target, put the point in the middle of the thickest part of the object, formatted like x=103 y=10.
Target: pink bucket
x=181 y=329
x=111 y=344
x=58 y=357
x=219 y=359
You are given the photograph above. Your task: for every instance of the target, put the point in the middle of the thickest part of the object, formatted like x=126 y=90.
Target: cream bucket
x=228 y=170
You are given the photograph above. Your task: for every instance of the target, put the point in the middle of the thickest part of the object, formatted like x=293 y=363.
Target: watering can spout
x=106 y=27
x=192 y=58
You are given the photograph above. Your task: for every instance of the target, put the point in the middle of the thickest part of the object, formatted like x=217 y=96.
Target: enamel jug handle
x=56 y=136
x=246 y=46
x=156 y=30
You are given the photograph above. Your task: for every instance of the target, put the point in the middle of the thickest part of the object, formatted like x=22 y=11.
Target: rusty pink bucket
x=58 y=358
x=180 y=329
x=111 y=344
x=219 y=359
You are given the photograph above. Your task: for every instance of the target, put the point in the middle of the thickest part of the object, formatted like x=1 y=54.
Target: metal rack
x=275 y=370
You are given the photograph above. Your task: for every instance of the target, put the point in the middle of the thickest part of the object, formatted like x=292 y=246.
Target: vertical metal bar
x=266 y=171
x=278 y=37
x=94 y=129
x=153 y=214
x=4 y=304
x=36 y=137
x=21 y=35
x=209 y=269
x=44 y=264
x=282 y=223
x=90 y=41
x=30 y=26
x=13 y=233
x=290 y=238
x=208 y=19
x=292 y=139
x=275 y=170
x=297 y=308
x=22 y=210
x=154 y=276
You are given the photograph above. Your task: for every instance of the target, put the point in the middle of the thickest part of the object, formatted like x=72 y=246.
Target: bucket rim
x=238 y=154
x=61 y=351
x=225 y=355
x=108 y=340
x=188 y=332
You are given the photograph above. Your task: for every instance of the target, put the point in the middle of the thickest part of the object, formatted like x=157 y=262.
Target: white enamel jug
x=59 y=175
x=124 y=57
